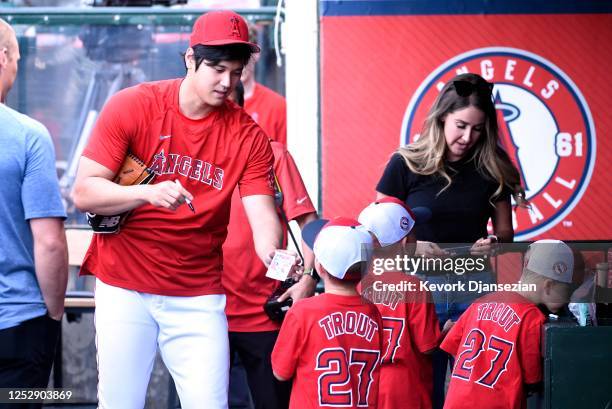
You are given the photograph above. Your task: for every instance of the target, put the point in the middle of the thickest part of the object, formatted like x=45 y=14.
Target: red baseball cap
x=221 y=27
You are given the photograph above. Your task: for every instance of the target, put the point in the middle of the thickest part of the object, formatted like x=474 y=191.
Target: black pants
x=26 y=356
x=254 y=350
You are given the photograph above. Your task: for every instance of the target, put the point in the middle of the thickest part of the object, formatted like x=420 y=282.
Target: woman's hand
x=429 y=249
x=484 y=246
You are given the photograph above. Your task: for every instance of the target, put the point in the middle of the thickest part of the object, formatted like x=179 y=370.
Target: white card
x=280 y=266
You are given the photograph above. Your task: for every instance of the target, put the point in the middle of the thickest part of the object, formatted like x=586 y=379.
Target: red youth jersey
x=269 y=110
x=411 y=328
x=166 y=252
x=496 y=345
x=330 y=345
x=244 y=275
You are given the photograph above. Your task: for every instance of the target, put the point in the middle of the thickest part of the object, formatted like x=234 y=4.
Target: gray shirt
x=28 y=190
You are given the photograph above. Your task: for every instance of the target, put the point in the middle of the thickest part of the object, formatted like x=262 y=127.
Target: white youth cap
x=339 y=244
x=390 y=220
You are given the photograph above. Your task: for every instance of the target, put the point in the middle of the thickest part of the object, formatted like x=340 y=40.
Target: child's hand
x=447 y=327
x=302 y=289
x=429 y=249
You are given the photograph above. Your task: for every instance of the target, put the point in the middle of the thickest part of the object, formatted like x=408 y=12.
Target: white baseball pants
x=192 y=336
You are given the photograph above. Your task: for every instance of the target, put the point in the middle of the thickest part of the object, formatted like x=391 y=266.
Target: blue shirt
x=28 y=190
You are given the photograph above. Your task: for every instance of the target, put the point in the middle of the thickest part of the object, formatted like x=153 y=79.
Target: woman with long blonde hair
x=457 y=156
x=458 y=169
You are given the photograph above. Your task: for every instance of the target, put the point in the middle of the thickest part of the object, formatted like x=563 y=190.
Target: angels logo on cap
x=559 y=268
x=405 y=224
x=545 y=125
x=235 y=27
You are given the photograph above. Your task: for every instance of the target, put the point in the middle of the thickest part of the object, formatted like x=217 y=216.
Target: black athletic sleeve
x=395 y=180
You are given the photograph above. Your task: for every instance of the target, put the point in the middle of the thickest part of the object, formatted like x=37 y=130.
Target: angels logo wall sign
x=382 y=66
x=545 y=125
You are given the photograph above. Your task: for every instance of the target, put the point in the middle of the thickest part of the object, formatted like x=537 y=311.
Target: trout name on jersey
x=500 y=313
x=187 y=166
x=340 y=323
x=385 y=294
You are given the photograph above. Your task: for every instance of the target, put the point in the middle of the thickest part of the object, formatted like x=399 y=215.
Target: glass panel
x=67 y=73
x=72 y=64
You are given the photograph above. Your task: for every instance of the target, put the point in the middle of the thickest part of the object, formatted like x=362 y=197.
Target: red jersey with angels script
x=496 y=345
x=167 y=252
x=269 y=110
x=244 y=275
x=330 y=345
x=410 y=329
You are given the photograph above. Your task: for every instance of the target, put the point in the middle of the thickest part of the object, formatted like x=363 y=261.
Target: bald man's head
x=9 y=55
x=6 y=34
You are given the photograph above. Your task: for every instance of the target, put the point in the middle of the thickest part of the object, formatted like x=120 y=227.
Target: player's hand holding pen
x=169 y=194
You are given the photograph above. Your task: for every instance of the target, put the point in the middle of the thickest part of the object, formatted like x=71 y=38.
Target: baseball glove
x=133 y=171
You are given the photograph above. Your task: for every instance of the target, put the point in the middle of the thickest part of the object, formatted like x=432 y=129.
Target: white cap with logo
x=553 y=259
x=390 y=220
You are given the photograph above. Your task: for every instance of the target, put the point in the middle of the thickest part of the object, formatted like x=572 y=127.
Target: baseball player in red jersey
x=330 y=344
x=252 y=333
x=159 y=279
x=267 y=107
x=496 y=342
x=410 y=323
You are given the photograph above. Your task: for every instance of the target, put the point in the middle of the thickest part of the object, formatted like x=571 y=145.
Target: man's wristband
x=312 y=273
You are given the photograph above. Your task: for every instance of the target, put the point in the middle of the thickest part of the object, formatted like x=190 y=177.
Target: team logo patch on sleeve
x=545 y=125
